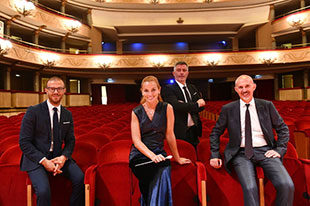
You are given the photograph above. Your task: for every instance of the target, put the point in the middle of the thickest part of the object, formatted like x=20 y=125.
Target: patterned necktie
x=55 y=127
x=248 y=134
x=188 y=98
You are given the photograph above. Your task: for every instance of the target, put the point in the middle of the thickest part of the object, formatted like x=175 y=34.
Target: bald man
x=250 y=123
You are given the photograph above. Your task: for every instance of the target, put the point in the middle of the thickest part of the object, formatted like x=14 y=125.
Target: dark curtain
x=264 y=89
x=96 y=94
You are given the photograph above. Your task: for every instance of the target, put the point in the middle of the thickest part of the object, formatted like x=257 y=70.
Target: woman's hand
x=158 y=158
x=183 y=161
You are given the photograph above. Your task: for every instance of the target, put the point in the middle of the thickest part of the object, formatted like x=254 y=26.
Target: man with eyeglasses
x=45 y=127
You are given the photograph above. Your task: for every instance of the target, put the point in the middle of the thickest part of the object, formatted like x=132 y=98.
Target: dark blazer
x=173 y=94
x=35 y=136
x=269 y=119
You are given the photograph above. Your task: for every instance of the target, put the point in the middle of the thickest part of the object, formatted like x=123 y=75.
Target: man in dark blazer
x=45 y=127
x=250 y=123
x=187 y=125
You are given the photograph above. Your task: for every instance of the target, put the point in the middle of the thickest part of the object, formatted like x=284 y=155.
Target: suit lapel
x=261 y=116
x=47 y=119
x=62 y=116
x=190 y=89
x=179 y=92
x=237 y=118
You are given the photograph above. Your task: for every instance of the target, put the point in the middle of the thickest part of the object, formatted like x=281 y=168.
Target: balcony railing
x=46 y=8
x=292 y=12
x=81 y=51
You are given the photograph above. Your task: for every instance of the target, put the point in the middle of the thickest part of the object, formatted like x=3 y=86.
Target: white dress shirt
x=258 y=139
x=51 y=112
x=190 y=121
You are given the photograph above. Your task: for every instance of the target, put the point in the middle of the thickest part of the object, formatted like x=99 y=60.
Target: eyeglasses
x=53 y=89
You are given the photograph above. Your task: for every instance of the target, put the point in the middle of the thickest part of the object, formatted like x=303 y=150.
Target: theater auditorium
x=102 y=49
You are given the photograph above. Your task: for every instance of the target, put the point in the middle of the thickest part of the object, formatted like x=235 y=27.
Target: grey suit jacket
x=269 y=119
x=35 y=136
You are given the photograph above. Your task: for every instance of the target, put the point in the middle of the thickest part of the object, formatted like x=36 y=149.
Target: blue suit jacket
x=269 y=119
x=35 y=136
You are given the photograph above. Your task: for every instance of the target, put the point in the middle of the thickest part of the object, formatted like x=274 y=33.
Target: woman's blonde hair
x=150 y=79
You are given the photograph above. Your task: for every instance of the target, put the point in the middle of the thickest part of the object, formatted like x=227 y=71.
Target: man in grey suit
x=45 y=128
x=250 y=123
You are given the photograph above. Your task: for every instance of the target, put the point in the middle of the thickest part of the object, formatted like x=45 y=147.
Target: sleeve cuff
x=42 y=160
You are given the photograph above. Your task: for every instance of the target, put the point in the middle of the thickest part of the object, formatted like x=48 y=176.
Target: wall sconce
x=49 y=59
x=5 y=46
x=268 y=57
x=154 y=1
x=24 y=7
x=180 y=20
x=296 y=20
x=212 y=59
x=158 y=61
x=104 y=61
x=73 y=25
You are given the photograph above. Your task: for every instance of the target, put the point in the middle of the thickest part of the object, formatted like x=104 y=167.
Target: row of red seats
x=110 y=182
x=117 y=117
x=107 y=176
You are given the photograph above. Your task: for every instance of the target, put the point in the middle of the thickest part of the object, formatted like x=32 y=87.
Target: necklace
x=149 y=111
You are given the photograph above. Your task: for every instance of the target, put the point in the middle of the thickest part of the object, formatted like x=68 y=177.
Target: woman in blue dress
x=152 y=122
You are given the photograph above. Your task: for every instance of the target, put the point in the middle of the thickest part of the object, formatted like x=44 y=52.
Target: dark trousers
x=192 y=136
x=274 y=170
x=40 y=183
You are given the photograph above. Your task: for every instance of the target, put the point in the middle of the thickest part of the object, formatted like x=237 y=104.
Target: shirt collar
x=50 y=106
x=242 y=103
x=180 y=84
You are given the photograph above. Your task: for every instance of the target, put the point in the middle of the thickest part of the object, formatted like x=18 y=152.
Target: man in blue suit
x=250 y=123
x=45 y=127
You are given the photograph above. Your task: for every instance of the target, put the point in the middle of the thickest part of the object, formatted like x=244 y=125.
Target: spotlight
x=258 y=76
x=110 y=80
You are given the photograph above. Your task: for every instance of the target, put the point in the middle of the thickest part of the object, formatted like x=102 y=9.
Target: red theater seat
x=87 y=127
x=8 y=133
x=302 y=138
x=12 y=185
x=188 y=181
x=111 y=182
x=122 y=136
x=107 y=131
x=118 y=125
x=79 y=131
x=11 y=156
x=94 y=138
x=85 y=155
x=222 y=188
x=8 y=142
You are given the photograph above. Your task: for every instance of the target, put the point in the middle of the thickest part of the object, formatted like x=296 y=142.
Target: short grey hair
x=180 y=63
x=243 y=76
